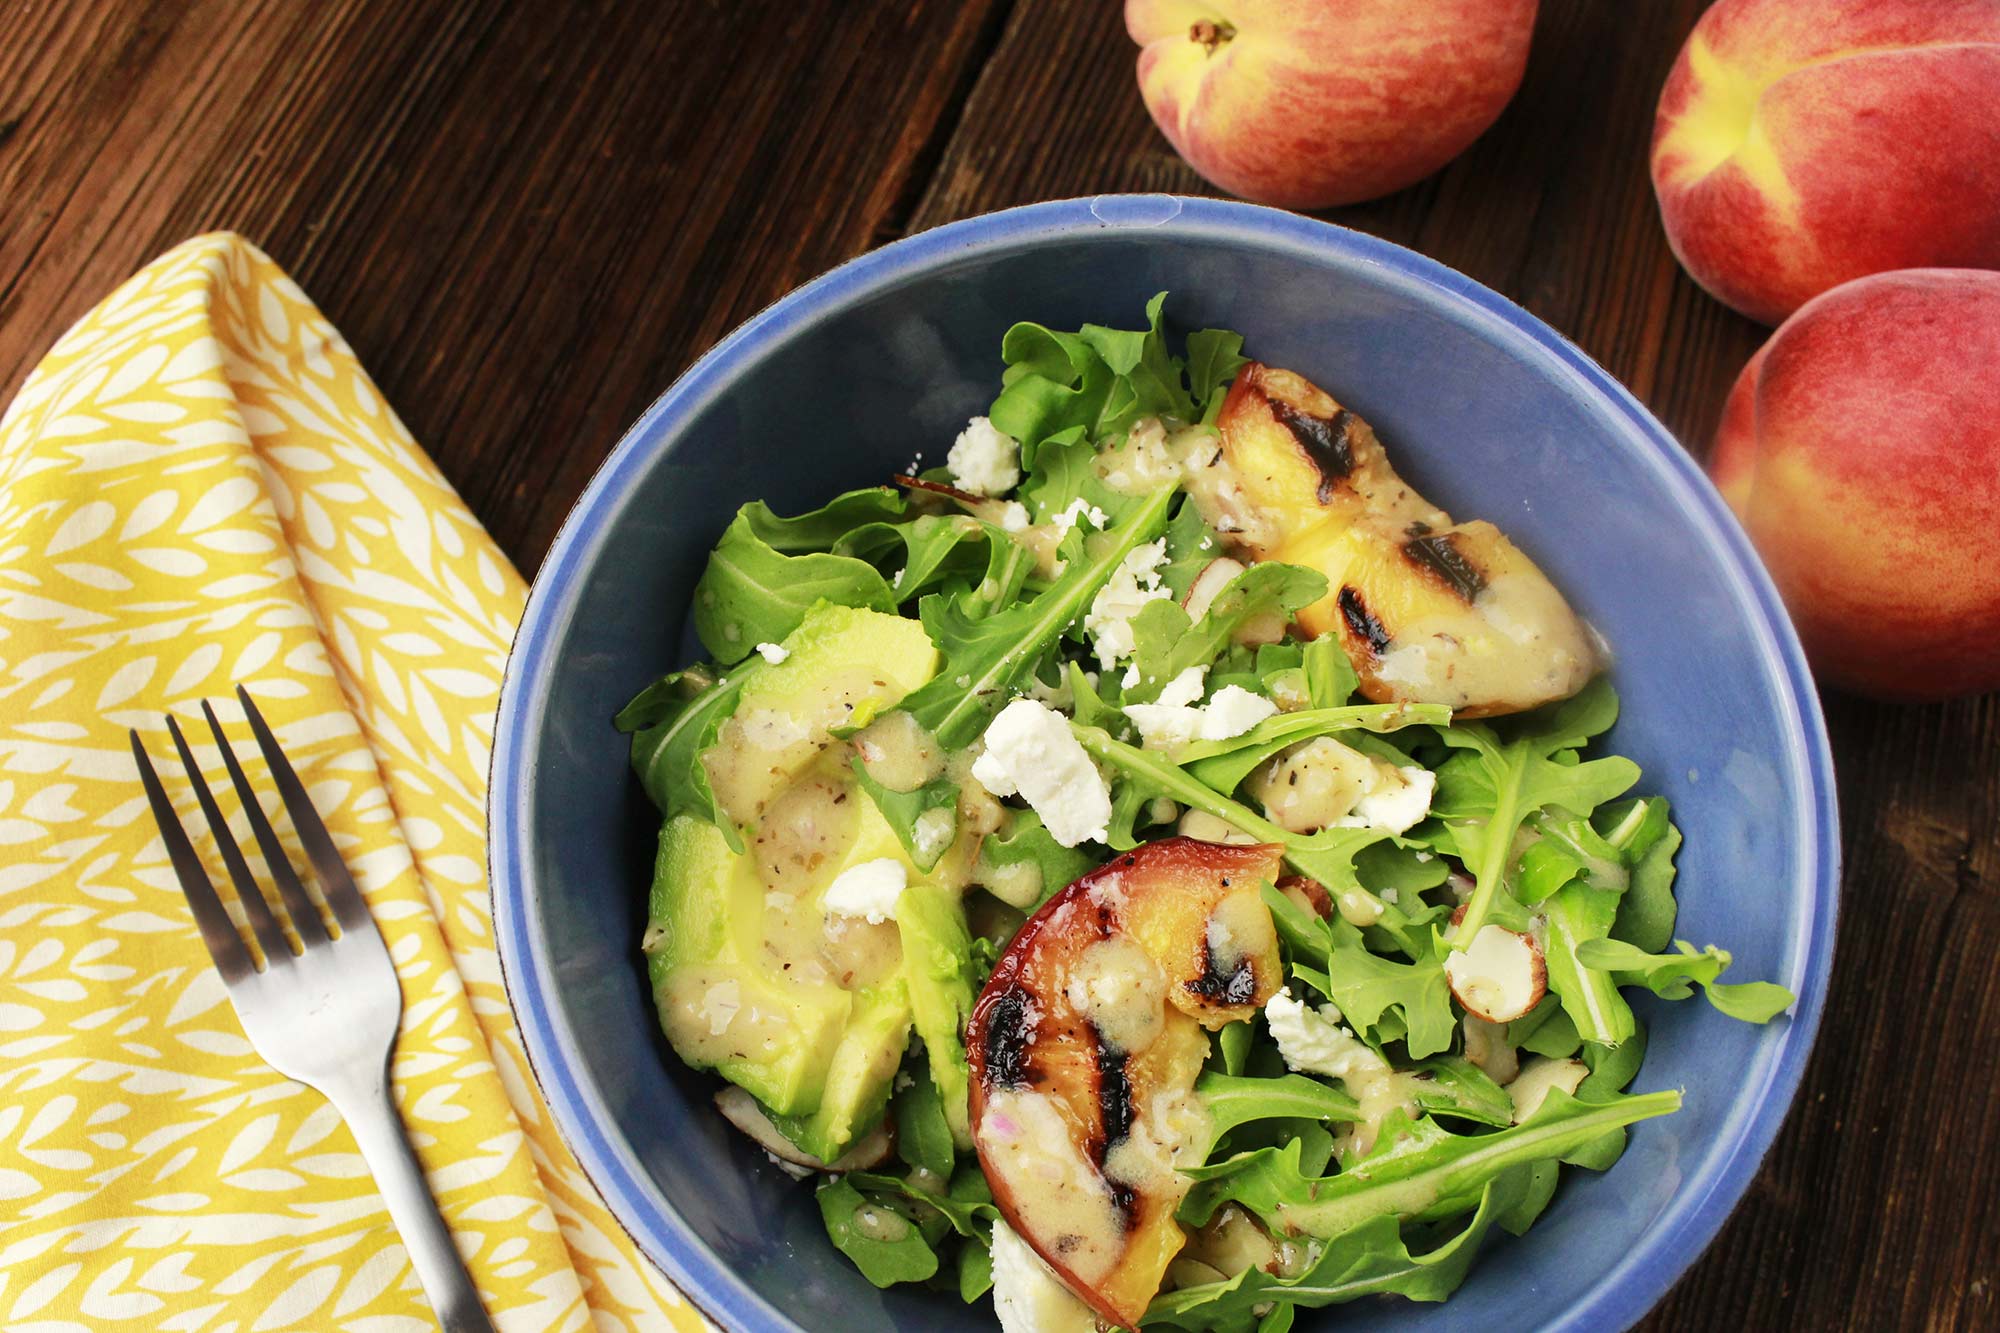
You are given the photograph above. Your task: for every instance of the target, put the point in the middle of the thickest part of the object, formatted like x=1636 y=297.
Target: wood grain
x=529 y=218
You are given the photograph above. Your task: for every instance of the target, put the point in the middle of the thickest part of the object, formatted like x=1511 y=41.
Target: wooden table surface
x=529 y=218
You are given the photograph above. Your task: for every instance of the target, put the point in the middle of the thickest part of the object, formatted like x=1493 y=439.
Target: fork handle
x=371 y=1115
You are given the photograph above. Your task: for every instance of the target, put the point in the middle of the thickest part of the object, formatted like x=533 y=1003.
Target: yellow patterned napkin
x=200 y=486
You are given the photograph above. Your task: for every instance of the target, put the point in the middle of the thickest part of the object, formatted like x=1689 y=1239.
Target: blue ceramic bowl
x=1492 y=414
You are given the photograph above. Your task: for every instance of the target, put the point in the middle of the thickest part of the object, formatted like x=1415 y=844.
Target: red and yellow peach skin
x=1803 y=143
x=1309 y=104
x=1861 y=448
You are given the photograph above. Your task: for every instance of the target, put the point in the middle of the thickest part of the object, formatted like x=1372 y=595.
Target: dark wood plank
x=1877 y=1207
x=526 y=218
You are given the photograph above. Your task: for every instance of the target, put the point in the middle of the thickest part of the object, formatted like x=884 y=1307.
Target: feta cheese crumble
x=869 y=890
x=1081 y=510
x=984 y=460
x=1233 y=711
x=1031 y=752
x=773 y=653
x=1395 y=806
x=1014 y=517
x=1134 y=583
x=1027 y=1296
x=1173 y=719
x=1313 y=1041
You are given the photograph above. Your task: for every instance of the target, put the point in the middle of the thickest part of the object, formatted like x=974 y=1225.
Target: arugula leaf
x=663 y=699
x=1166 y=643
x=822 y=529
x=923 y=1135
x=1370 y=1259
x=667 y=753
x=1646 y=914
x=1422 y=1173
x=1579 y=877
x=1363 y=985
x=753 y=593
x=1232 y=1100
x=1054 y=383
x=1539 y=1180
x=975 y=1270
x=968 y=1211
x=1547 y=1030
x=1191 y=546
x=1224 y=764
x=926 y=836
x=1232 y=1045
x=1148 y=382
x=1066 y=471
x=1027 y=840
x=1452 y=1085
x=1366 y=986
x=1330 y=676
x=1213 y=358
x=984 y=657
x=1405 y=871
x=924 y=552
x=1487 y=790
x=883 y=1243
x=1327 y=856
x=1673 y=976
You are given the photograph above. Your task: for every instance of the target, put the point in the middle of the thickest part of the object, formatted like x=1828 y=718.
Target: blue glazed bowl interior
x=1485 y=409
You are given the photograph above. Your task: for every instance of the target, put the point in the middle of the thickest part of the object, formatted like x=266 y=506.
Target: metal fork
x=326 y=1016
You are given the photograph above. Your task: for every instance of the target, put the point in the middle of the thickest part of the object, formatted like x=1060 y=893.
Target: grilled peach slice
x=1430 y=611
x=1085 y=1046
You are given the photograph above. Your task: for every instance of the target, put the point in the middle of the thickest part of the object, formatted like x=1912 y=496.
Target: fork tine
x=305 y=916
x=341 y=894
x=232 y=959
x=272 y=939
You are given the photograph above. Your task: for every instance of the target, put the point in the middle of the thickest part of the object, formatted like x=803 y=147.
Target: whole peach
x=1861 y=448
x=1803 y=143
x=1308 y=104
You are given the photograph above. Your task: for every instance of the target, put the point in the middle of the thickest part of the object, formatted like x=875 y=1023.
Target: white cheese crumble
x=1395 y=806
x=1173 y=720
x=1233 y=711
x=1186 y=688
x=1134 y=583
x=1314 y=1042
x=1031 y=752
x=1014 y=517
x=1027 y=1297
x=869 y=890
x=984 y=460
x=773 y=653
x=1081 y=510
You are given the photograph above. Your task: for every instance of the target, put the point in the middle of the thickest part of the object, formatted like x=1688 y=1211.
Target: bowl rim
x=1685 y=1226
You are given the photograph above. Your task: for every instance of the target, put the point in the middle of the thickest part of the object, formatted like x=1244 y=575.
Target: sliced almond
x=1216 y=575
x=1532 y=1085
x=740 y=1109
x=1309 y=894
x=1486 y=1046
x=1500 y=976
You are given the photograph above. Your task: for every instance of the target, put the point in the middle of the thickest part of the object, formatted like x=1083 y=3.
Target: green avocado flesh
x=809 y=1011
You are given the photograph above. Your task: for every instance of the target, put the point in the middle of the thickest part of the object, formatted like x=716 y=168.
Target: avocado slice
x=937 y=966
x=737 y=945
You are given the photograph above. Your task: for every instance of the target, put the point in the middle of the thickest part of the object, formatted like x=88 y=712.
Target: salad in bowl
x=1156 y=867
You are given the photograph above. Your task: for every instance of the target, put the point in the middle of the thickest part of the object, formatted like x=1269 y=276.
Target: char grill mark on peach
x=1328 y=442
x=1116 y=1114
x=1008 y=1031
x=1215 y=986
x=1361 y=622
x=1440 y=557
